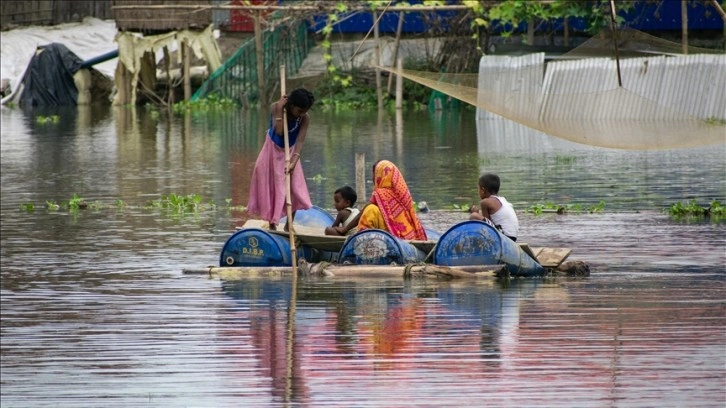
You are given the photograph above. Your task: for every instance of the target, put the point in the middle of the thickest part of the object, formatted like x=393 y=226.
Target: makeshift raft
x=324 y=269
x=470 y=244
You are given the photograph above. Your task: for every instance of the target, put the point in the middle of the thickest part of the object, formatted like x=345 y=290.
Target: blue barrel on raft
x=312 y=217
x=257 y=247
x=378 y=247
x=478 y=243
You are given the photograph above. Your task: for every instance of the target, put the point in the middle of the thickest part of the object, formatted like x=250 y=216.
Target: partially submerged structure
x=56 y=76
x=145 y=30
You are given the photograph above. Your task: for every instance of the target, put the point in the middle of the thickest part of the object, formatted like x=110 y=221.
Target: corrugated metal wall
x=658 y=87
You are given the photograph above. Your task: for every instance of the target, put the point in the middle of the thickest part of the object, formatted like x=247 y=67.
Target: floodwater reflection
x=455 y=344
x=96 y=312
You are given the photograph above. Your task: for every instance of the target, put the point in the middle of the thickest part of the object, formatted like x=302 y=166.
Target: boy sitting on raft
x=494 y=208
x=344 y=199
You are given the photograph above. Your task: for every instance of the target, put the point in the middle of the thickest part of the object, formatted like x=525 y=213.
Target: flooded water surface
x=97 y=312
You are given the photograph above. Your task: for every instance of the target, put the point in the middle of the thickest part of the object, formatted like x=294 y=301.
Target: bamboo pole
x=379 y=91
x=350 y=271
x=169 y=82
x=684 y=27
x=288 y=195
x=375 y=24
x=396 y=44
x=399 y=84
x=615 y=41
x=186 y=54
x=360 y=176
x=719 y=10
x=289 y=356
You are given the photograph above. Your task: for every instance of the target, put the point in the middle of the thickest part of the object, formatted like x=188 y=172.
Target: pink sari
x=267 y=190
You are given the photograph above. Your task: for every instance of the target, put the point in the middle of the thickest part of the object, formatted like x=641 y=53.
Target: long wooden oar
x=288 y=189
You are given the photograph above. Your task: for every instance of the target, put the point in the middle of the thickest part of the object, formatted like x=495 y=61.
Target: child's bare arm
x=337 y=226
x=342 y=215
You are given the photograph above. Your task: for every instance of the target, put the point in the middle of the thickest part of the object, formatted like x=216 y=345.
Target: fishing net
x=666 y=101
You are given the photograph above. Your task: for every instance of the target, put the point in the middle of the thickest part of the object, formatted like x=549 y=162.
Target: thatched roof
x=145 y=16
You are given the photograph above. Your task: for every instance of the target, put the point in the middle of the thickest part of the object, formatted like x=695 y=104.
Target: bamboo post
x=379 y=91
x=169 y=82
x=187 y=71
x=395 y=47
x=615 y=40
x=261 y=89
x=684 y=26
x=288 y=195
x=719 y=10
x=360 y=176
x=399 y=84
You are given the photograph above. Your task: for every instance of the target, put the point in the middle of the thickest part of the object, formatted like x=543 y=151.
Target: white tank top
x=353 y=213
x=506 y=218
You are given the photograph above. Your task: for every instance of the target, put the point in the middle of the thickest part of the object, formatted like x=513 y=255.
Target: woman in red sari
x=391 y=206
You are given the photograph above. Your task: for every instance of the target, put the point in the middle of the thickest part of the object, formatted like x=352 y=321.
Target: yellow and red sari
x=392 y=208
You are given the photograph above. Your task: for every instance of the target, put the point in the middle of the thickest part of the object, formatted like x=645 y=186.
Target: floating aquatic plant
x=693 y=209
x=47 y=119
x=29 y=207
x=175 y=203
x=541 y=208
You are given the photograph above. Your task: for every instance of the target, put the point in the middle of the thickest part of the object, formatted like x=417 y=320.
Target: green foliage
x=716 y=121
x=692 y=209
x=212 y=102
x=51 y=205
x=179 y=203
x=43 y=120
x=346 y=95
x=173 y=204
x=76 y=203
x=28 y=207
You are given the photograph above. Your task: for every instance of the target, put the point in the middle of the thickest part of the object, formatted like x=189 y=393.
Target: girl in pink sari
x=268 y=189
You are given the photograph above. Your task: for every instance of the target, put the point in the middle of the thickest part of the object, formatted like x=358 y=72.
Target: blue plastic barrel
x=472 y=243
x=378 y=247
x=255 y=247
x=312 y=217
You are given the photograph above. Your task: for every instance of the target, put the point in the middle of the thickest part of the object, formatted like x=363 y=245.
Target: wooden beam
x=366 y=271
x=286 y=8
x=720 y=11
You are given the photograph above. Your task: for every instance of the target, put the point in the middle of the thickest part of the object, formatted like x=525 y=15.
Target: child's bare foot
x=273 y=227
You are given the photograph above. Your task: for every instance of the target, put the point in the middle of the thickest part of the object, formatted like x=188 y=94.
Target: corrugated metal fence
x=659 y=87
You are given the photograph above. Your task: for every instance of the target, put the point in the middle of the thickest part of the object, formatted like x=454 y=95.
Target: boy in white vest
x=344 y=199
x=495 y=209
